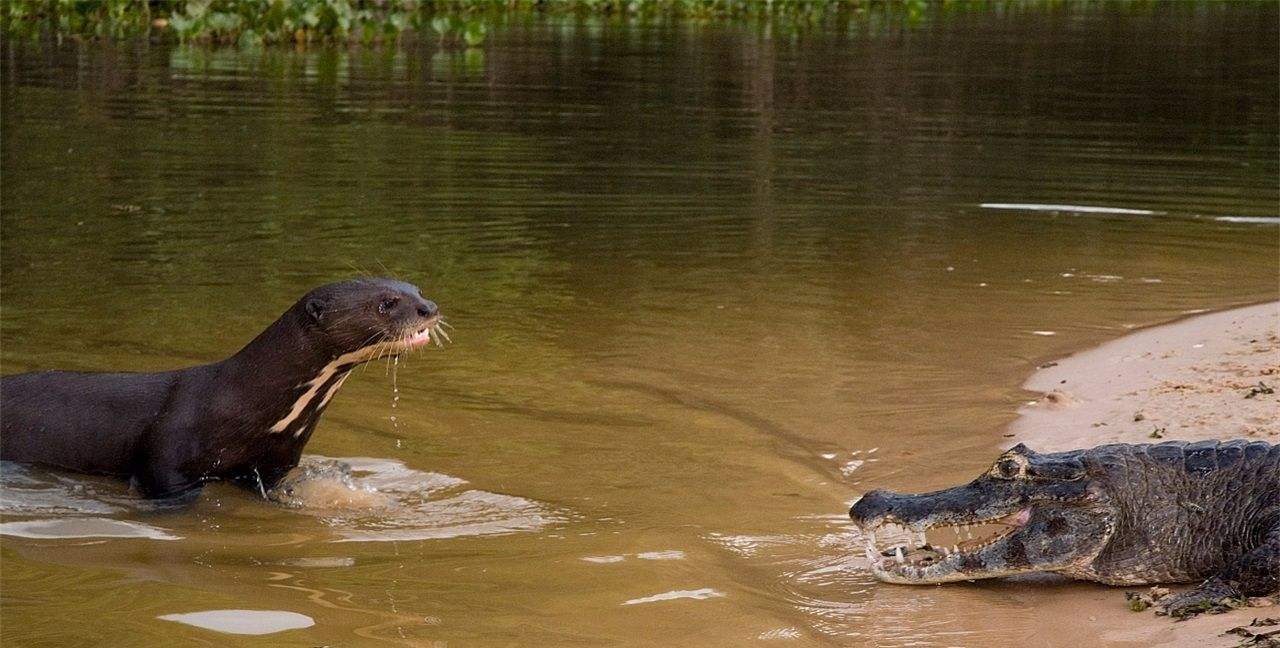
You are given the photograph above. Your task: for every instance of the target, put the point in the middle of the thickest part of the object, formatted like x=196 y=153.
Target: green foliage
x=301 y=21
x=458 y=23
x=99 y=19
x=243 y=22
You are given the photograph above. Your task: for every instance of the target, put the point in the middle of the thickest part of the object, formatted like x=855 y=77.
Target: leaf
x=398 y=21
x=249 y=38
x=475 y=34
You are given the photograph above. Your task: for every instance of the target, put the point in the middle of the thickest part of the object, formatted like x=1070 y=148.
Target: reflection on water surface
x=698 y=274
x=249 y=622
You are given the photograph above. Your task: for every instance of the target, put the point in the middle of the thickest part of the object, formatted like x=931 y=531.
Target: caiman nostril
x=875 y=504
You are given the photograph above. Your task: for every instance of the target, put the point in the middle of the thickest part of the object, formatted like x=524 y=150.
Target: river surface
x=709 y=284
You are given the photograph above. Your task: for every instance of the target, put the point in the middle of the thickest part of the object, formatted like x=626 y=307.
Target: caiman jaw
x=1031 y=512
x=920 y=561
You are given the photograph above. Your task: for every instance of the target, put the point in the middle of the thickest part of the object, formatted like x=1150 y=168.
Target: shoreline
x=1205 y=376
x=1189 y=379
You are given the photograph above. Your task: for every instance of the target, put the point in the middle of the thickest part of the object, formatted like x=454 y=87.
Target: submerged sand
x=1214 y=376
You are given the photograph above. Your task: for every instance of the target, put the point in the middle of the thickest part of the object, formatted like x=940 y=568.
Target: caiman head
x=1030 y=512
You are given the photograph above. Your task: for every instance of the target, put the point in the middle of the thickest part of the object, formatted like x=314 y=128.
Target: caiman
x=1175 y=512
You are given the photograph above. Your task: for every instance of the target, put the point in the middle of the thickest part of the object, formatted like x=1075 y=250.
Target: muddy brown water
x=709 y=286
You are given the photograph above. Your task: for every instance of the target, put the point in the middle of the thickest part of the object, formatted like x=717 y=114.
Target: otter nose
x=427 y=308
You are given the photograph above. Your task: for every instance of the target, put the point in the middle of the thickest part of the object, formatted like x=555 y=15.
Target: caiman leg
x=1256 y=573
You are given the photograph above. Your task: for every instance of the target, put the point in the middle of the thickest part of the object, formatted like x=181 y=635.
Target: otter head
x=371 y=318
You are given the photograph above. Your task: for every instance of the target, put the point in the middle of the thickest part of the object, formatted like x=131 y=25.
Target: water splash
x=421 y=505
x=360 y=499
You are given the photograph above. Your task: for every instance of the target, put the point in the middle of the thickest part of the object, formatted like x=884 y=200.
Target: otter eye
x=1008 y=468
x=387 y=304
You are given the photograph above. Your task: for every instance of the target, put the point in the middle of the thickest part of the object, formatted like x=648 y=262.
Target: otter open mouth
x=924 y=551
x=431 y=330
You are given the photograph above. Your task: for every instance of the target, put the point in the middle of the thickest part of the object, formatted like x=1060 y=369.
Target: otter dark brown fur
x=245 y=418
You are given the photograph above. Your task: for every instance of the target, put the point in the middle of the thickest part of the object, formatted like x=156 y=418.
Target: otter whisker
x=369 y=340
x=341 y=317
x=440 y=332
x=377 y=350
x=391 y=349
x=388 y=272
x=396 y=348
x=358 y=270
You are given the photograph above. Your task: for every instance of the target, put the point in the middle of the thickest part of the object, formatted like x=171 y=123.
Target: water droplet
x=395 y=395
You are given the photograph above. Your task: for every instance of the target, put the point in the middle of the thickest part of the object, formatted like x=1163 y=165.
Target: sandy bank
x=1190 y=380
x=1203 y=377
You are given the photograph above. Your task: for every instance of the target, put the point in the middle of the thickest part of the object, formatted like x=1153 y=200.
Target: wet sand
x=1192 y=379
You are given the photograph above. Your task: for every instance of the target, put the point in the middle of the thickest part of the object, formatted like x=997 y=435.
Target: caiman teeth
x=911 y=550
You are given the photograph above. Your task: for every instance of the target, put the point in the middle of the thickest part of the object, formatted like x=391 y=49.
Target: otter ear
x=315 y=308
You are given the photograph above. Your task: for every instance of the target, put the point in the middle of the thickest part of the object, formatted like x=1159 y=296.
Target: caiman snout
x=873 y=507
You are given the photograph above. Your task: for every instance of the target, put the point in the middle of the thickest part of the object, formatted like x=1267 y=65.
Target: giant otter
x=245 y=418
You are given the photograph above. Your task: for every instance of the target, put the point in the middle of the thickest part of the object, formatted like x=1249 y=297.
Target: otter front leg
x=259 y=481
x=165 y=469
x=1256 y=573
x=169 y=487
x=265 y=474
x=273 y=465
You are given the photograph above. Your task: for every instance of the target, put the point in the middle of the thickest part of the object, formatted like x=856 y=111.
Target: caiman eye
x=387 y=304
x=1008 y=468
